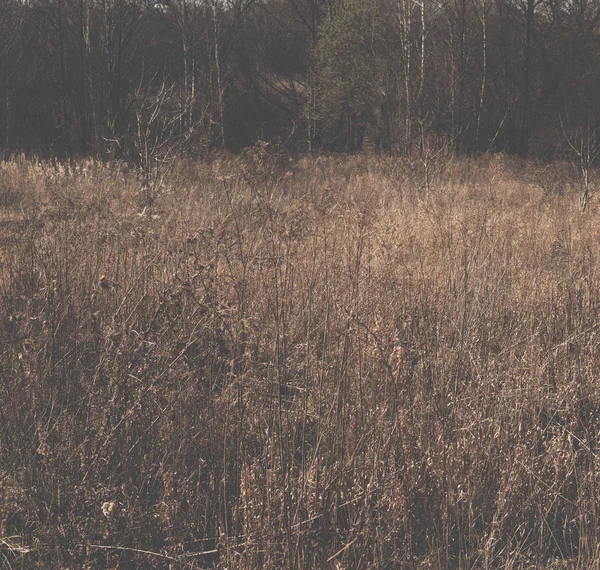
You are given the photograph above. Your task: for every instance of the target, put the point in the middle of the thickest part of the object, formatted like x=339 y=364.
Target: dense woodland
x=92 y=76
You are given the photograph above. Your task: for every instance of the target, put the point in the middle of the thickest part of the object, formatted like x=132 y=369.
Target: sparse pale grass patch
x=310 y=364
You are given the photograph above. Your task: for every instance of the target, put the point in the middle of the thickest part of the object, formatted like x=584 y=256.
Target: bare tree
x=119 y=23
x=483 y=7
x=158 y=133
x=12 y=15
x=529 y=9
x=584 y=142
x=214 y=7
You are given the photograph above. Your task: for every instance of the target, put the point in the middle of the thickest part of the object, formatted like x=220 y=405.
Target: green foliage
x=349 y=65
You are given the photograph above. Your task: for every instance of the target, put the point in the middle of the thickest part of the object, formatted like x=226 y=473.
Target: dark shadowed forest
x=91 y=76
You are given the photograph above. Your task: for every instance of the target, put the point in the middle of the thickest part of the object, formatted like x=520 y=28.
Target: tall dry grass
x=311 y=364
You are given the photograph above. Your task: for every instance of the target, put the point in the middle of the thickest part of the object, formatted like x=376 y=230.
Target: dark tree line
x=514 y=75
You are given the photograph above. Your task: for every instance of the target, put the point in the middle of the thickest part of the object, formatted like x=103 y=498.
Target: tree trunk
x=484 y=69
x=524 y=134
x=83 y=83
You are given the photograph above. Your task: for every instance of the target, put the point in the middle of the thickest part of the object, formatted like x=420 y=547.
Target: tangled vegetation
x=321 y=363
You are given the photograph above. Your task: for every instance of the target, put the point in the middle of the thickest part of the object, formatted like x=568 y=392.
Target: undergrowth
x=329 y=365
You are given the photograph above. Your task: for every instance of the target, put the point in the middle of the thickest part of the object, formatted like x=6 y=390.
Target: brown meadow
x=321 y=363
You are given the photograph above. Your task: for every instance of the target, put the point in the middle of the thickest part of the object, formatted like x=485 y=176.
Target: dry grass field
x=315 y=364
